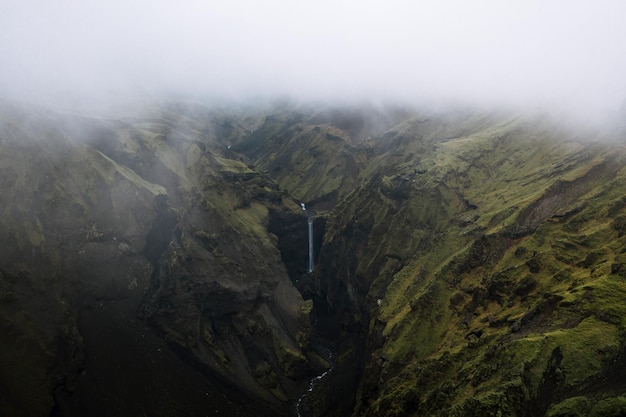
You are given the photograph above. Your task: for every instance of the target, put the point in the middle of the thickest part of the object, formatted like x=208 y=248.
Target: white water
x=311 y=258
x=314 y=382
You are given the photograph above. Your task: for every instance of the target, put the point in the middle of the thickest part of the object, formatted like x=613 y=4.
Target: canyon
x=458 y=262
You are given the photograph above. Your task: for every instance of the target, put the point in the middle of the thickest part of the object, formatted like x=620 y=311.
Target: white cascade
x=314 y=381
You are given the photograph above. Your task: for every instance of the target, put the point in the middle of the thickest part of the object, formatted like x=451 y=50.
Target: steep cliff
x=138 y=275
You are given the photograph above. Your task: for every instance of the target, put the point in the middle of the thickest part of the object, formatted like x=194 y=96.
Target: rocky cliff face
x=138 y=272
x=466 y=263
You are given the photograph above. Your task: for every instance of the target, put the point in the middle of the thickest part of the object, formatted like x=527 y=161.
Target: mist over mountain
x=312 y=209
x=565 y=55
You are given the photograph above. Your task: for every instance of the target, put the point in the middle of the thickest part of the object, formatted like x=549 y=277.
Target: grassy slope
x=315 y=153
x=481 y=236
x=492 y=241
x=473 y=321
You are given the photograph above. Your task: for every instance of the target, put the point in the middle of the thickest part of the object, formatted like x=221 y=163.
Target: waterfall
x=311 y=258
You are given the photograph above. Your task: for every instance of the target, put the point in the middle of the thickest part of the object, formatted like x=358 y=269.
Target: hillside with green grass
x=512 y=308
x=480 y=261
x=467 y=263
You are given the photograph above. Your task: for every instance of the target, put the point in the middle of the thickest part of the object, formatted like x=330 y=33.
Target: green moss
x=610 y=407
x=265 y=375
x=231 y=165
x=582 y=348
x=571 y=407
x=291 y=360
x=468 y=282
x=606 y=297
x=417 y=330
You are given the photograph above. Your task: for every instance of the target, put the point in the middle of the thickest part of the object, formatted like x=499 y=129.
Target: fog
x=569 y=55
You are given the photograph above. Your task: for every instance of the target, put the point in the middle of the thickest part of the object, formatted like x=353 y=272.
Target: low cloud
x=566 y=54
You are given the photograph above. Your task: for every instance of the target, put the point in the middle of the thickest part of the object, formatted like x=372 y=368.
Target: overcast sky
x=572 y=53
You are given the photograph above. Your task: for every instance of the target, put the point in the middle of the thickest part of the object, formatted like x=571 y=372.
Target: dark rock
x=618 y=269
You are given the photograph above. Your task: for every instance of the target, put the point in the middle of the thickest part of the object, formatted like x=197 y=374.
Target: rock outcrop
x=139 y=274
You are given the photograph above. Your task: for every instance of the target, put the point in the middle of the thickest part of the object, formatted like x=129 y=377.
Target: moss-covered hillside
x=479 y=269
x=468 y=263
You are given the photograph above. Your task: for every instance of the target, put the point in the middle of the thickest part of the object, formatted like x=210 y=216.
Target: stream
x=313 y=382
x=322 y=351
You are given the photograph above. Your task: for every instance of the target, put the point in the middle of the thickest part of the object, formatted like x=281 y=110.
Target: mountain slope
x=130 y=243
x=482 y=256
x=463 y=238
x=467 y=263
x=511 y=302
